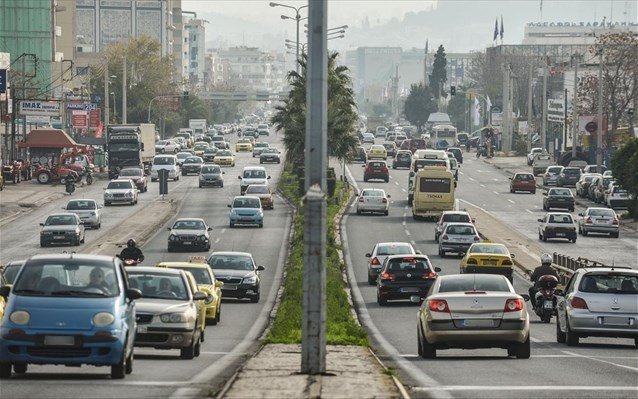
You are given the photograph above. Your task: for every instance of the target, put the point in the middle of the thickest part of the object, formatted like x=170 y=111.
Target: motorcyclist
x=132 y=252
x=543 y=270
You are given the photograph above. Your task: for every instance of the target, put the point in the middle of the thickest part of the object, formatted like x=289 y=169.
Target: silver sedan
x=373 y=200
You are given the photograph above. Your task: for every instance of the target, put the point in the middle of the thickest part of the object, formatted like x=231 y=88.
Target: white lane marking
x=461 y=173
x=482 y=185
x=526 y=388
x=403 y=223
x=495 y=179
x=217 y=240
x=601 y=361
x=535 y=339
x=511 y=201
x=404 y=190
x=223 y=231
x=479 y=170
x=408 y=232
x=528 y=211
x=396 y=182
x=471 y=178
x=456 y=204
x=495 y=192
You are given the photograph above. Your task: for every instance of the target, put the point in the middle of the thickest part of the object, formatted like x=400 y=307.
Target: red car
x=137 y=175
x=413 y=145
x=376 y=170
x=523 y=181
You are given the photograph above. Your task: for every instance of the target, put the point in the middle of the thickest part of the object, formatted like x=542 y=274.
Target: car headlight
x=129 y=194
x=201 y=177
x=107 y=194
x=250 y=280
x=103 y=319
x=202 y=238
x=209 y=299
x=20 y=317
x=173 y=318
x=172 y=237
x=233 y=212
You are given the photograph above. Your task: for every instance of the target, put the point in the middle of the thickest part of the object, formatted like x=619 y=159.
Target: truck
x=130 y=145
x=199 y=126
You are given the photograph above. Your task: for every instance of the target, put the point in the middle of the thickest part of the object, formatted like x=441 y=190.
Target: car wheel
x=43 y=243
x=540 y=236
x=188 y=353
x=615 y=235
x=523 y=350
x=358 y=212
x=365 y=179
x=571 y=209
x=381 y=301
x=254 y=299
x=20 y=368
x=441 y=253
x=585 y=232
x=106 y=203
x=118 y=371
x=427 y=350
x=198 y=347
x=261 y=225
x=573 y=240
x=5 y=370
x=544 y=238
x=386 y=213
x=231 y=224
x=512 y=191
x=372 y=280
x=560 y=336
x=200 y=186
x=129 y=363
x=184 y=173
x=570 y=337
x=533 y=191
x=387 y=179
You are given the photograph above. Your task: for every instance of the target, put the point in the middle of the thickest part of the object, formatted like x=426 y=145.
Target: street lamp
x=297 y=18
x=114 y=107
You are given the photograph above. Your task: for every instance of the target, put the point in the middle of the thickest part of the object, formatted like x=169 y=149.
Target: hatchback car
x=89 y=211
x=561 y=198
x=211 y=175
x=252 y=175
x=488 y=258
x=569 y=176
x=523 y=181
x=551 y=175
x=259 y=147
x=246 y=210
x=189 y=233
x=390 y=148
x=598 y=302
x=457 y=237
x=458 y=154
x=11 y=269
x=373 y=200
x=361 y=155
x=382 y=250
x=244 y=145
x=599 y=220
x=269 y=155
x=557 y=225
x=405 y=276
x=120 y=191
x=239 y=273
x=93 y=322
x=471 y=312
x=167 y=146
x=169 y=315
x=61 y=228
x=192 y=165
x=450 y=217
x=377 y=152
x=402 y=159
x=137 y=175
x=264 y=193
x=376 y=170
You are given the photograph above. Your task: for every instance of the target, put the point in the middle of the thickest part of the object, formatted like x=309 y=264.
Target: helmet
x=546 y=259
x=131 y=243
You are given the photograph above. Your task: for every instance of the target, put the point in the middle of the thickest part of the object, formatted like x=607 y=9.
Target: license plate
x=560 y=234
x=57 y=340
x=187 y=243
x=409 y=289
x=142 y=329
x=229 y=288
x=58 y=237
x=622 y=195
x=489 y=262
x=548 y=305
x=601 y=221
x=477 y=323
x=246 y=218
x=615 y=321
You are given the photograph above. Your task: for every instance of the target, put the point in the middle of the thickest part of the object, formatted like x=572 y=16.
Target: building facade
x=569 y=34
x=250 y=69
x=196 y=61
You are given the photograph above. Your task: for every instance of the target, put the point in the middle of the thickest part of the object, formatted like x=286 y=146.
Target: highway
x=599 y=367
x=162 y=373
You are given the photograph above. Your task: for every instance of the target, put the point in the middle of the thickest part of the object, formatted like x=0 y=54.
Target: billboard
x=79 y=119
x=556 y=111
x=39 y=107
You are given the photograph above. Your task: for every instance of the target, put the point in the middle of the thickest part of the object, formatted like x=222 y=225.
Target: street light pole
x=124 y=87
x=297 y=19
x=106 y=94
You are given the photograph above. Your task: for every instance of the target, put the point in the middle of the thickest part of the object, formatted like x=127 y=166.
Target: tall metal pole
x=107 y=112
x=599 y=132
x=298 y=18
x=575 y=111
x=313 y=337
x=530 y=110
x=565 y=121
x=507 y=114
x=124 y=86
x=544 y=116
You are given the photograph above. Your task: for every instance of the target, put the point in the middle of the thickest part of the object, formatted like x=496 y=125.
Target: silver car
x=457 y=237
x=62 y=227
x=381 y=251
x=373 y=200
x=120 y=191
x=450 y=217
x=598 y=302
x=472 y=311
x=89 y=211
x=599 y=220
x=551 y=175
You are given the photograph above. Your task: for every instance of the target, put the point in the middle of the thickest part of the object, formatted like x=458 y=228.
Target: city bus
x=443 y=136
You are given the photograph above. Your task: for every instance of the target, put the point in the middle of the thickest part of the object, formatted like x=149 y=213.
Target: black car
x=458 y=154
x=403 y=159
x=238 y=272
x=569 y=176
x=209 y=154
x=192 y=165
x=558 y=198
x=191 y=233
x=405 y=276
x=269 y=155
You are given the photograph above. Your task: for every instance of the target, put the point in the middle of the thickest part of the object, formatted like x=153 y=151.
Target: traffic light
x=453 y=90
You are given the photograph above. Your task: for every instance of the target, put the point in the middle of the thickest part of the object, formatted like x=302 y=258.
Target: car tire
x=533 y=192
x=106 y=203
x=43 y=243
x=570 y=337
x=231 y=224
x=5 y=370
x=365 y=179
x=19 y=368
x=573 y=240
x=261 y=225
x=358 y=212
x=585 y=232
x=200 y=186
x=571 y=209
x=511 y=191
x=372 y=280
x=198 y=348
x=387 y=179
x=260 y=161
x=560 y=336
x=441 y=253
x=129 y=363
x=544 y=238
x=615 y=235
x=381 y=301
x=386 y=213
x=427 y=350
x=523 y=350
x=118 y=371
x=188 y=353
x=540 y=237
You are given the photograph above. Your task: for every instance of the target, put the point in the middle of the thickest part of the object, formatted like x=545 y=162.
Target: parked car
x=373 y=200
x=550 y=177
x=189 y=233
x=569 y=176
x=598 y=302
x=595 y=169
x=583 y=183
x=382 y=250
x=617 y=197
x=405 y=276
x=211 y=175
x=61 y=228
x=599 y=220
x=246 y=210
x=591 y=189
x=600 y=187
x=540 y=163
x=89 y=211
x=120 y=191
x=557 y=225
x=376 y=170
x=240 y=274
x=523 y=181
x=561 y=198
x=457 y=237
x=137 y=175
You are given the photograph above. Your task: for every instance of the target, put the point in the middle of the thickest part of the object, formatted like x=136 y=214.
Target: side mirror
x=168 y=228
x=389 y=196
x=41 y=224
x=223 y=173
x=209 y=229
x=368 y=255
x=199 y=296
x=525 y=297
x=539 y=220
x=260 y=268
x=268 y=177
x=219 y=284
x=133 y=294
x=239 y=177
x=462 y=254
x=4 y=291
x=437 y=269
x=513 y=256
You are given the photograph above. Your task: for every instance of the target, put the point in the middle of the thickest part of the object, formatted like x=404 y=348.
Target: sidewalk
x=21 y=198
x=352 y=372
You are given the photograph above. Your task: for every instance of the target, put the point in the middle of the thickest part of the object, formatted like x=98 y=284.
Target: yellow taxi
x=377 y=152
x=205 y=281
x=264 y=193
x=243 y=145
x=490 y=258
x=200 y=147
x=224 y=158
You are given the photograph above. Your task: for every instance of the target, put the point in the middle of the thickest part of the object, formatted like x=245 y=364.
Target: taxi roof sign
x=197 y=259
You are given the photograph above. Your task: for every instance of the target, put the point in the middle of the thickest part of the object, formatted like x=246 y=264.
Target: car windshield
x=131 y=172
x=560 y=191
x=117 y=185
x=11 y=270
x=473 y=282
x=610 y=283
x=64 y=220
x=232 y=262
x=193 y=160
x=569 y=171
x=560 y=219
x=463 y=230
x=246 y=203
x=164 y=161
x=268 y=150
x=225 y=153
x=159 y=285
x=161 y=142
x=456 y=217
x=555 y=169
x=254 y=174
x=80 y=205
x=257 y=190
x=393 y=249
x=408 y=264
x=619 y=190
x=488 y=249
x=211 y=169
x=183 y=155
x=261 y=145
x=372 y=193
x=189 y=225
x=202 y=276
x=601 y=212
x=67 y=277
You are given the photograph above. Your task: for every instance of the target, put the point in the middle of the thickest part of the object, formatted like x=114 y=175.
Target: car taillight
x=438 y=305
x=513 y=305
x=579 y=303
x=374 y=261
x=615 y=222
x=588 y=221
x=385 y=200
x=507 y=262
x=387 y=276
x=477 y=238
x=428 y=275
x=472 y=261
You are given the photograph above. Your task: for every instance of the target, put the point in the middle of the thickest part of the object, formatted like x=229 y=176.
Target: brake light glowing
x=438 y=305
x=477 y=238
x=513 y=305
x=578 y=303
x=387 y=276
x=428 y=275
x=374 y=261
x=361 y=199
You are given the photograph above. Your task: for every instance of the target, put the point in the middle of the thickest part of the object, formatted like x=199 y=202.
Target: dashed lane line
x=511 y=201
x=601 y=361
x=528 y=211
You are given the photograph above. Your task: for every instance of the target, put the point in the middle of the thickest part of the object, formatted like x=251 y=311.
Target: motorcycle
x=129 y=262
x=481 y=151
x=544 y=301
x=89 y=177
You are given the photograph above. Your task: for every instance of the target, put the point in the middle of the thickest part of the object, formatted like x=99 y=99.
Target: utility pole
x=313 y=335
x=575 y=110
x=565 y=122
x=506 y=135
x=530 y=110
x=544 y=116
x=599 y=132
x=106 y=95
x=395 y=94
x=124 y=87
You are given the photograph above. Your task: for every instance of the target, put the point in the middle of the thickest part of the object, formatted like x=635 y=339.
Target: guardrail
x=566 y=265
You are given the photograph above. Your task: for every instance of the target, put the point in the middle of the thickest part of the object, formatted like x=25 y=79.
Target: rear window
x=372 y=193
x=384 y=250
x=610 y=283
x=560 y=191
x=560 y=219
x=488 y=249
x=408 y=264
x=456 y=217
x=463 y=230
x=601 y=212
x=475 y=282
x=571 y=172
x=376 y=164
x=524 y=177
x=434 y=185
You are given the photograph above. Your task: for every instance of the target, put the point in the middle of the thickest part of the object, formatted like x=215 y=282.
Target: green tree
x=456 y=109
x=419 y=105
x=439 y=74
x=624 y=167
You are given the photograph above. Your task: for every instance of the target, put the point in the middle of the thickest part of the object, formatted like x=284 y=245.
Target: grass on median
x=341 y=328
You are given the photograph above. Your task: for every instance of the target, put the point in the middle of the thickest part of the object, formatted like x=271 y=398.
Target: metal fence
x=566 y=265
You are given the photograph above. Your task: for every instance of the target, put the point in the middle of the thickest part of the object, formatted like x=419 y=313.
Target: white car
x=373 y=200
x=557 y=225
x=617 y=197
x=89 y=211
x=381 y=251
x=167 y=146
x=368 y=138
x=252 y=175
x=533 y=152
x=168 y=162
x=120 y=191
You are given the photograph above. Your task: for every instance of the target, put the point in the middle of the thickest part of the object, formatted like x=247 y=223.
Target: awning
x=48 y=138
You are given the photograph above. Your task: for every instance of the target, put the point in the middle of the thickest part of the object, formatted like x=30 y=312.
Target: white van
x=168 y=162
x=252 y=175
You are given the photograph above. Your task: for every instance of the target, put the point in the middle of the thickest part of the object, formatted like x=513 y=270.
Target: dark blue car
x=69 y=309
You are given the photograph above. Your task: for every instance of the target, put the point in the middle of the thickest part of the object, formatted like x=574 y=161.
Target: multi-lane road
x=599 y=367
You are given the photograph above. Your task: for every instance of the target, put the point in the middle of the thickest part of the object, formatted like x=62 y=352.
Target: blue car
x=246 y=210
x=69 y=309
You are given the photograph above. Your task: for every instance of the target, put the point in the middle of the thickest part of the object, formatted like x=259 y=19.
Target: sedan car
x=470 y=312
x=569 y=176
x=259 y=147
x=269 y=155
x=209 y=154
x=361 y=155
x=120 y=191
x=402 y=159
x=211 y=175
x=457 y=237
x=557 y=225
x=390 y=147
x=376 y=170
x=246 y=210
x=93 y=322
x=169 y=315
x=181 y=156
x=221 y=145
x=61 y=228
x=192 y=165
x=551 y=175
x=598 y=302
x=373 y=200
x=190 y=233
x=523 y=181
x=377 y=152
x=617 y=197
x=89 y=211
x=599 y=220
x=561 y=198
x=239 y=273
x=137 y=175
x=264 y=193
x=368 y=138
x=404 y=276
x=243 y=145
x=381 y=251
x=200 y=147
x=450 y=217
x=167 y=146
x=225 y=158
x=488 y=258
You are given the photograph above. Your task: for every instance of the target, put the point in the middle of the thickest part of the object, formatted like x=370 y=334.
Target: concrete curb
x=229 y=384
x=397 y=382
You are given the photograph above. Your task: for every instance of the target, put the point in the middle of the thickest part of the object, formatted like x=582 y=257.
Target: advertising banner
x=79 y=119
x=39 y=107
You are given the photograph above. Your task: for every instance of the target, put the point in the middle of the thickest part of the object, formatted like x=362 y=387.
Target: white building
x=568 y=33
x=195 y=61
